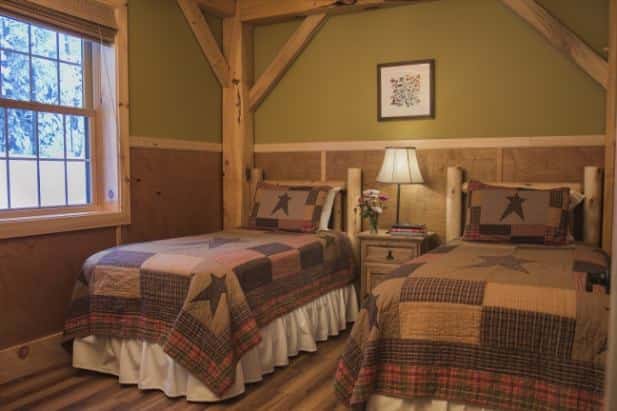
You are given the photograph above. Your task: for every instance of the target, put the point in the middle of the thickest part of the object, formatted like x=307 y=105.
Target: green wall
x=495 y=76
x=173 y=92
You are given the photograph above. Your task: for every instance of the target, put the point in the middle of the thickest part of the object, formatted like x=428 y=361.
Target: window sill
x=58 y=223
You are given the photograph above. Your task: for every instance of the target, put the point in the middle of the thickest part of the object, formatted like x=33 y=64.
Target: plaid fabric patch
x=519 y=215
x=288 y=208
x=443 y=290
x=466 y=374
x=532 y=332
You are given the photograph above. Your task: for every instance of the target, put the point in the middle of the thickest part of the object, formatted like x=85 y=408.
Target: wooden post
x=354 y=220
x=338 y=212
x=611 y=131
x=237 y=122
x=593 y=205
x=454 y=198
x=610 y=400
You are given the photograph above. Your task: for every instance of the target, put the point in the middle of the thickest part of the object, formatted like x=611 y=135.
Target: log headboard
x=591 y=188
x=344 y=215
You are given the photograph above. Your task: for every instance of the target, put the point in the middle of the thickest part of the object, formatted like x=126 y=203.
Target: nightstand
x=382 y=252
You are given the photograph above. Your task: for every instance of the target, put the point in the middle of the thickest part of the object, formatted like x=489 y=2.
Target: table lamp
x=400 y=166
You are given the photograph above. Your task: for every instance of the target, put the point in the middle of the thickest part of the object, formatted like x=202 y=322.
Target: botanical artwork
x=406 y=90
x=40 y=149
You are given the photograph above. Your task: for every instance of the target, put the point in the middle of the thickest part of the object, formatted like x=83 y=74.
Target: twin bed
x=517 y=324
x=512 y=317
x=201 y=316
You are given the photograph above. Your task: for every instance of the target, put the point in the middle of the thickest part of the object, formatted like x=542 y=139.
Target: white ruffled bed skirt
x=149 y=367
x=385 y=403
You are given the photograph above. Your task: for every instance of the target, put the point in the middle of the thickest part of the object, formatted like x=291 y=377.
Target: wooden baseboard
x=437 y=143
x=31 y=357
x=173 y=144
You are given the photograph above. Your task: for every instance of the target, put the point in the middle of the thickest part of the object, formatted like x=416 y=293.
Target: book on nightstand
x=408 y=230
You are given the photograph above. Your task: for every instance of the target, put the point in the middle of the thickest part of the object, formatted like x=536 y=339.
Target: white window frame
x=109 y=136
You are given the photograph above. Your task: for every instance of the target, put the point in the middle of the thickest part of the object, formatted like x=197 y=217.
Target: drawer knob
x=389 y=256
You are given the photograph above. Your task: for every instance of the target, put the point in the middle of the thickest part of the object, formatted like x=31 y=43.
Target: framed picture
x=406 y=90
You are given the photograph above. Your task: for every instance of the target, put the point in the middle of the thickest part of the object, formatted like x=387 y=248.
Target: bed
x=486 y=325
x=202 y=316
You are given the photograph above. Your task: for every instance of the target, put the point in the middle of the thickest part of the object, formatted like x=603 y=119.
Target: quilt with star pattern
x=203 y=299
x=496 y=325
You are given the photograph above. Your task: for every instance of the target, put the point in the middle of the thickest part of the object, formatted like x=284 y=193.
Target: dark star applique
x=370 y=305
x=283 y=204
x=506 y=261
x=213 y=292
x=515 y=206
x=217 y=242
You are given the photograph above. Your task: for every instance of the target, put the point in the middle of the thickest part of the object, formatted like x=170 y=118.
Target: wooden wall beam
x=220 y=8
x=611 y=132
x=285 y=58
x=562 y=38
x=268 y=11
x=198 y=23
x=237 y=122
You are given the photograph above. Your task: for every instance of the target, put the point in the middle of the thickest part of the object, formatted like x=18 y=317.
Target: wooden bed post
x=454 y=198
x=338 y=212
x=354 y=221
x=257 y=176
x=593 y=205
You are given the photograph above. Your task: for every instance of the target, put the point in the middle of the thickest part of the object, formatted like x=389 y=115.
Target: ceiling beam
x=285 y=58
x=268 y=11
x=199 y=25
x=220 y=8
x=562 y=38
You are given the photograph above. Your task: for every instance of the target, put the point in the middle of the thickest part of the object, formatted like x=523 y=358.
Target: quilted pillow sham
x=288 y=208
x=518 y=215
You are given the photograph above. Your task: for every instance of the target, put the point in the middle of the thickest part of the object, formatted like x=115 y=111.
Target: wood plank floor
x=306 y=384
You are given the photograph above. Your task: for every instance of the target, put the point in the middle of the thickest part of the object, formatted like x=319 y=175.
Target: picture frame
x=406 y=90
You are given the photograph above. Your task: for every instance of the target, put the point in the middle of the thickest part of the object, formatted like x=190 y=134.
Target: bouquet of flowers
x=372 y=204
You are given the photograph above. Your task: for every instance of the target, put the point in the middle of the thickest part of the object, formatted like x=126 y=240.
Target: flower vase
x=373 y=222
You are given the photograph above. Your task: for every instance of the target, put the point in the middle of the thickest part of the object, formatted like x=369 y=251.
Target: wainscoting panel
x=174 y=193
x=37 y=275
x=290 y=166
x=550 y=164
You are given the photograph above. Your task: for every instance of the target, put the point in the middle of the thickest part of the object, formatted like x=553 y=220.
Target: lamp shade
x=400 y=166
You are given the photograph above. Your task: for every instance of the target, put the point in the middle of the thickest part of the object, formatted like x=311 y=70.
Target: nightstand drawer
x=390 y=255
x=377 y=273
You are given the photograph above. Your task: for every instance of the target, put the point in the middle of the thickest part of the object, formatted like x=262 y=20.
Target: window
x=44 y=148
x=63 y=117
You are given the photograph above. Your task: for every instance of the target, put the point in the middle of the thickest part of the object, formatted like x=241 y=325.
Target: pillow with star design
x=520 y=215
x=288 y=208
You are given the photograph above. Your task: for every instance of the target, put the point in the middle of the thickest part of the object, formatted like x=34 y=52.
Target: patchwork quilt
x=204 y=298
x=503 y=326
